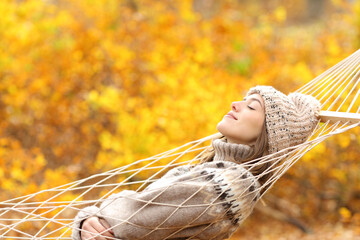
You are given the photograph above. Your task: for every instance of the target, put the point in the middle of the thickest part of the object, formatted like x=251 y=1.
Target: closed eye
x=251 y=108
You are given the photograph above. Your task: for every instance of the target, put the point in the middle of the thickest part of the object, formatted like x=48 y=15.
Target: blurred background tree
x=90 y=85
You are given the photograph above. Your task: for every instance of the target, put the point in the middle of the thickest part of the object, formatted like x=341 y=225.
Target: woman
x=211 y=199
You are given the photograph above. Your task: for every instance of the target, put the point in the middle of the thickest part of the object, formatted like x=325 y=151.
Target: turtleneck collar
x=232 y=152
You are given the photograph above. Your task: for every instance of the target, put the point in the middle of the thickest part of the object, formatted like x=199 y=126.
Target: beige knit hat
x=289 y=119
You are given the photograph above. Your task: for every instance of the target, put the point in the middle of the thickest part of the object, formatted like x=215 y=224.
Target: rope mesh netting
x=49 y=214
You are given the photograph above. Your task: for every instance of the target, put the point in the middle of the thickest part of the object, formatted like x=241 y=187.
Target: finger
x=93 y=224
x=88 y=223
x=91 y=234
x=98 y=226
x=106 y=225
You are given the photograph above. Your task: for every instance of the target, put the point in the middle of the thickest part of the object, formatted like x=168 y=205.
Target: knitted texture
x=289 y=119
x=205 y=201
x=231 y=152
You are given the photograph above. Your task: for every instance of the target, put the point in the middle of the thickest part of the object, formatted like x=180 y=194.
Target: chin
x=221 y=127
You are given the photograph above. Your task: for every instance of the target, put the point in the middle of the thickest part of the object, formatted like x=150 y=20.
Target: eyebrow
x=254 y=99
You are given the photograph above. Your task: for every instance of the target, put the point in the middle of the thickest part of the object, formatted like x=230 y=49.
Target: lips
x=230 y=114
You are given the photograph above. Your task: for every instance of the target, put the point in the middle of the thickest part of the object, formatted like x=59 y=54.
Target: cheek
x=255 y=122
x=258 y=120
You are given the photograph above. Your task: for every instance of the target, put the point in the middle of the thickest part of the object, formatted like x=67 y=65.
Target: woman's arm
x=207 y=201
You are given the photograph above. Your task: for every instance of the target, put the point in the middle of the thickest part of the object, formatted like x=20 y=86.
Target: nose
x=235 y=106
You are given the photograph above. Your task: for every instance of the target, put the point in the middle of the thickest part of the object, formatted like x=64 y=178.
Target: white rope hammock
x=49 y=214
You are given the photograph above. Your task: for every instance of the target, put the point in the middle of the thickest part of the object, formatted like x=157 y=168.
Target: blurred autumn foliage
x=90 y=85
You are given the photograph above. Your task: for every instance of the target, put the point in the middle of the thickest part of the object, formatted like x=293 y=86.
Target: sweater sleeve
x=208 y=201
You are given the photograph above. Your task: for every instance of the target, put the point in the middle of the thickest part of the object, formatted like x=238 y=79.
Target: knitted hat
x=289 y=119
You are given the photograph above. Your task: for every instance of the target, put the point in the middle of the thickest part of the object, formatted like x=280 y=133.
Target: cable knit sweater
x=206 y=201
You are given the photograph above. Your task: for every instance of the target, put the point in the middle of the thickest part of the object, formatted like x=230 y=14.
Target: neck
x=233 y=152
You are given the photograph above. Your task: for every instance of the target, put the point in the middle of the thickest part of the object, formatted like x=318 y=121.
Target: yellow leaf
x=345 y=213
x=280 y=14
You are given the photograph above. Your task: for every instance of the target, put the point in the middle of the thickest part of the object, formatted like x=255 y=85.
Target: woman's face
x=243 y=124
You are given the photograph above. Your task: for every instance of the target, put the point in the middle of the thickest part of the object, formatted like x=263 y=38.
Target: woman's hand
x=93 y=227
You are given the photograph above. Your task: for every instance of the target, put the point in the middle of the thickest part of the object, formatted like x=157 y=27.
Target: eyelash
x=251 y=108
